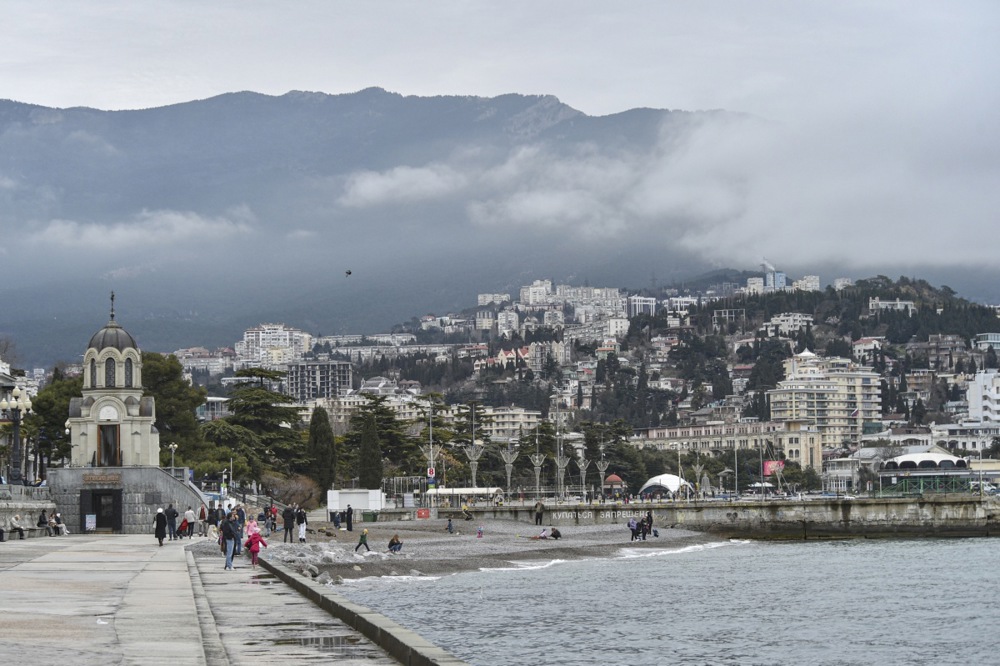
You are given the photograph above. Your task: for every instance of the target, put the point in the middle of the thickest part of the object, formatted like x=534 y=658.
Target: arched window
x=109 y=373
x=93 y=373
x=128 y=373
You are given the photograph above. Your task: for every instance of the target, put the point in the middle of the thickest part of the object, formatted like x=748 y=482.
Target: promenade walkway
x=122 y=599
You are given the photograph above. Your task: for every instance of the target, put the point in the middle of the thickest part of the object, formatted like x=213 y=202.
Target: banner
x=772 y=466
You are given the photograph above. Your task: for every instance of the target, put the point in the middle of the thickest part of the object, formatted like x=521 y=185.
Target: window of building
x=128 y=373
x=109 y=373
x=93 y=373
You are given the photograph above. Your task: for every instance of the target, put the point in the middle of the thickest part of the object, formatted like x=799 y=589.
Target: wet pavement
x=122 y=599
x=260 y=618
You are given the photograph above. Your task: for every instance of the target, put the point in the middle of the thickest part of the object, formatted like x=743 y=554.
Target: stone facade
x=129 y=496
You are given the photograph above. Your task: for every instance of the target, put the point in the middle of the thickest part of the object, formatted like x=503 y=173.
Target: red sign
x=430 y=473
x=772 y=466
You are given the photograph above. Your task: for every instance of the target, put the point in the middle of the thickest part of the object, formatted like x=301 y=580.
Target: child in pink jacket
x=253 y=545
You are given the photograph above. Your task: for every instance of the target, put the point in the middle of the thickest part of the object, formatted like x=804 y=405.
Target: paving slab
x=89 y=599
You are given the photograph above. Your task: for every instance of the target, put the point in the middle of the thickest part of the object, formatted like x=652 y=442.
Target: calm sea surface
x=843 y=602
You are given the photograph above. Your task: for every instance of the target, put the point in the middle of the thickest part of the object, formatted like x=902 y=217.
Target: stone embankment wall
x=941 y=515
x=24 y=501
x=144 y=490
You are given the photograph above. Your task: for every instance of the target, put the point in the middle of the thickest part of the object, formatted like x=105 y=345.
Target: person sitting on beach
x=544 y=534
x=395 y=545
x=554 y=533
x=465 y=512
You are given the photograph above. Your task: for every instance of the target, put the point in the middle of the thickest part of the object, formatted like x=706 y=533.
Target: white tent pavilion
x=671 y=482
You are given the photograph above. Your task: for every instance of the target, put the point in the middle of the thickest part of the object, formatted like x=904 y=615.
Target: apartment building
x=786 y=324
x=983 y=393
x=834 y=394
x=311 y=379
x=270 y=344
x=641 y=305
x=799 y=440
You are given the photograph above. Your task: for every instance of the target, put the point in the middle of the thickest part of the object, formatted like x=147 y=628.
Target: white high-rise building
x=269 y=344
x=983 y=394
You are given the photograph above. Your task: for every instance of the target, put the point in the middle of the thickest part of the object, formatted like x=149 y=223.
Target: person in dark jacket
x=160 y=522
x=300 y=520
x=230 y=532
x=350 y=518
x=171 y=514
x=288 y=516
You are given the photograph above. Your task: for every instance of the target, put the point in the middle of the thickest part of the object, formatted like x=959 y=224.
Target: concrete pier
x=123 y=599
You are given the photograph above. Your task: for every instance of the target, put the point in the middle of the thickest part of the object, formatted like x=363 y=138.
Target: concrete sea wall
x=930 y=516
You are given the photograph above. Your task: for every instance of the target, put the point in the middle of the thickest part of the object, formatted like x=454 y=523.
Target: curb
x=215 y=652
x=404 y=645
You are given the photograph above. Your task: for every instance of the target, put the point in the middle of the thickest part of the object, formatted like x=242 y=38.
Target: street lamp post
x=173 y=448
x=14 y=407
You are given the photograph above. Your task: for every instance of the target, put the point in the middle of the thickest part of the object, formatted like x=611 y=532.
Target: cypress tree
x=370 y=457
x=322 y=449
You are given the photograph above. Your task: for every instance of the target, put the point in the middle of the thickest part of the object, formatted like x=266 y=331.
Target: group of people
x=231 y=535
x=295 y=518
x=52 y=524
x=641 y=528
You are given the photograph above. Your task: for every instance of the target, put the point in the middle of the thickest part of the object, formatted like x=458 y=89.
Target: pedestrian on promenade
x=191 y=519
x=350 y=518
x=363 y=541
x=171 y=514
x=230 y=531
x=160 y=529
x=203 y=521
x=253 y=544
x=300 y=520
x=539 y=512
x=288 y=516
x=241 y=521
x=15 y=526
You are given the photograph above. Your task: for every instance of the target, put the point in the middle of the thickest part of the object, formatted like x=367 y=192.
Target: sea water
x=736 y=602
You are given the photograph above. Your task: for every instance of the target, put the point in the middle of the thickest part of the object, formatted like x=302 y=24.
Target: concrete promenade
x=122 y=599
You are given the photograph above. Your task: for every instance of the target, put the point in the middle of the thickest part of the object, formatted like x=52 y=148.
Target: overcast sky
x=878 y=137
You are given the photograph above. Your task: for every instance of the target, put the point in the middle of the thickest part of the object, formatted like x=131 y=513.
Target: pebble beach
x=428 y=548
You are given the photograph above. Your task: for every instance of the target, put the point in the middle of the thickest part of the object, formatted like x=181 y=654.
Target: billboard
x=773 y=466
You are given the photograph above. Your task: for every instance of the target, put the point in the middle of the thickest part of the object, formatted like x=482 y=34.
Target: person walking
x=350 y=518
x=288 y=516
x=363 y=541
x=160 y=526
x=253 y=544
x=191 y=520
x=230 y=530
x=300 y=520
x=539 y=512
x=203 y=521
x=171 y=514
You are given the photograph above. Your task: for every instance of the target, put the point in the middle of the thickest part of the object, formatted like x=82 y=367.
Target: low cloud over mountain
x=212 y=215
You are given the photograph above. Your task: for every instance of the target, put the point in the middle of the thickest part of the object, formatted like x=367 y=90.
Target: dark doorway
x=105 y=506
x=110 y=454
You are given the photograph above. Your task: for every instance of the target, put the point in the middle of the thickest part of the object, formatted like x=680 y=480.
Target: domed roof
x=112 y=335
x=613 y=478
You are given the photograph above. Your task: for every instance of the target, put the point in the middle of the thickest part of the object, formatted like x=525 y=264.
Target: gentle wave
x=525 y=566
x=633 y=553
